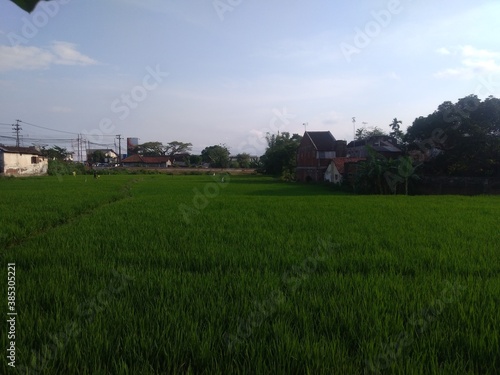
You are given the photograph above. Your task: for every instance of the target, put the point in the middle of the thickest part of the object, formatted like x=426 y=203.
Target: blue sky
x=228 y=71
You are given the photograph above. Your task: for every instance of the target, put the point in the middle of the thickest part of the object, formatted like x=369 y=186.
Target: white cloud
x=473 y=62
x=443 y=51
x=471 y=52
x=68 y=55
x=35 y=58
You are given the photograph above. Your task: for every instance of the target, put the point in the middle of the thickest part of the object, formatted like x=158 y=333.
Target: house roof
x=341 y=162
x=20 y=150
x=146 y=159
x=380 y=143
x=322 y=141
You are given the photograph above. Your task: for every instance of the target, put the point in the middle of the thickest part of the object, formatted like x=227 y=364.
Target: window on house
x=34 y=160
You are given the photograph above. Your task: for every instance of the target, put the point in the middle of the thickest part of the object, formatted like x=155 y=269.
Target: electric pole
x=78 y=148
x=119 y=137
x=17 y=128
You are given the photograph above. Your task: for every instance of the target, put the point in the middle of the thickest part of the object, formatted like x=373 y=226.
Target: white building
x=22 y=161
x=109 y=155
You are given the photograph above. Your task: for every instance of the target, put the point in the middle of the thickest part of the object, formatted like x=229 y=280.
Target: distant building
x=180 y=160
x=315 y=153
x=22 y=161
x=147 y=161
x=132 y=144
x=381 y=144
x=341 y=169
x=110 y=156
x=70 y=156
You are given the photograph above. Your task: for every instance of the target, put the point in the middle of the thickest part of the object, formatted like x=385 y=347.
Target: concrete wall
x=12 y=164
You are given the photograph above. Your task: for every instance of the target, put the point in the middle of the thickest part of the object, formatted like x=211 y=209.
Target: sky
x=229 y=71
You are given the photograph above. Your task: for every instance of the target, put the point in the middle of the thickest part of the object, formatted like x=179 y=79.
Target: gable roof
x=20 y=150
x=322 y=141
x=380 y=143
x=341 y=162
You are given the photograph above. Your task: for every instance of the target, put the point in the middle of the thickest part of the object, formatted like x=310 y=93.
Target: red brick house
x=315 y=153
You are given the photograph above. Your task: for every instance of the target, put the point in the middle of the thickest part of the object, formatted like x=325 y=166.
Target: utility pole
x=119 y=137
x=17 y=128
x=78 y=147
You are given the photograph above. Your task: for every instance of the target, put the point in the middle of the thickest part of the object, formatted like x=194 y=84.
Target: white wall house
x=332 y=174
x=336 y=171
x=22 y=161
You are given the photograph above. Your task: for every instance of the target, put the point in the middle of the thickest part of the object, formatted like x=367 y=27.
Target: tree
x=56 y=153
x=217 y=156
x=176 y=147
x=151 y=149
x=97 y=157
x=244 y=160
x=195 y=160
x=27 y=5
x=459 y=139
x=406 y=170
x=281 y=153
x=396 y=131
x=363 y=133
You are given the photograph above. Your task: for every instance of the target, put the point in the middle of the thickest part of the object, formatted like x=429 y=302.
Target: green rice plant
x=267 y=277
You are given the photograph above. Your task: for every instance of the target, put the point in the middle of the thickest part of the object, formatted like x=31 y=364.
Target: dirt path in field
x=125 y=193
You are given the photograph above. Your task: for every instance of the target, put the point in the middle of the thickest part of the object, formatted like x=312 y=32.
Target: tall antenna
x=354 y=128
x=305 y=125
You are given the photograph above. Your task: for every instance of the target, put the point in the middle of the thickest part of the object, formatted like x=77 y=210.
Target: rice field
x=162 y=274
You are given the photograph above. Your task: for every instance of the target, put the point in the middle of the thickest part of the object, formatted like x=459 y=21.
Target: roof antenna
x=305 y=126
x=354 y=128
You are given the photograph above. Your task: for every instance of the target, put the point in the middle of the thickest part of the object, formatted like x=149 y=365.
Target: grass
x=185 y=275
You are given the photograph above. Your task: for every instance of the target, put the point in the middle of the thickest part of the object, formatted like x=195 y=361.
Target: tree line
x=459 y=139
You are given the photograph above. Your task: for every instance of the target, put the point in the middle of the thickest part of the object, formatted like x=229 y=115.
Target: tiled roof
x=380 y=143
x=20 y=150
x=323 y=141
x=340 y=163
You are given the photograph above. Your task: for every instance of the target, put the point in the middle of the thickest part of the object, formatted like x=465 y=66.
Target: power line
x=43 y=127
